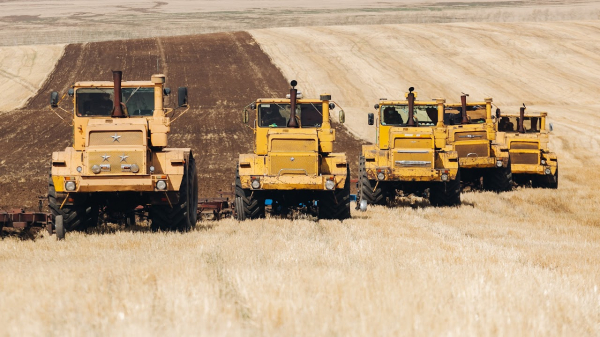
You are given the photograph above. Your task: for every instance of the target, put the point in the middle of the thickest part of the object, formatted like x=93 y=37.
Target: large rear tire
x=446 y=194
x=498 y=179
x=75 y=217
x=336 y=204
x=247 y=205
x=183 y=215
x=366 y=187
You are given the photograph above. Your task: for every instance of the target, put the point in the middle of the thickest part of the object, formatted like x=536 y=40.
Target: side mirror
x=245 y=116
x=253 y=106
x=498 y=112
x=376 y=106
x=71 y=92
x=54 y=99
x=342 y=117
x=331 y=106
x=371 y=118
x=167 y=91
x=182 y=97
x=551 y=127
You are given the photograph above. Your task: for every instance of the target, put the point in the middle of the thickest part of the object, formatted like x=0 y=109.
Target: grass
x=484 y=268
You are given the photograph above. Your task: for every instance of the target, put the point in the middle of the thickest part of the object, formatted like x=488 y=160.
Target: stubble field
x=518 y=263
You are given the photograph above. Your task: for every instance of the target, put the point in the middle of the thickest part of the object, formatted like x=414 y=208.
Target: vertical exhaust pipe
x=522 y=119
x=117 y=109
x=293 y=93
x=411 y=107
x=463 y=101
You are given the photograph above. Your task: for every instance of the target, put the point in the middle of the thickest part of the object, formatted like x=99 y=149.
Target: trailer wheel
x=446 y=194
x=336 y=204
x=183 y=215
x=59 y=227
x=75 y=217
x=498 y=179
x=366 y=190
x=247 y=205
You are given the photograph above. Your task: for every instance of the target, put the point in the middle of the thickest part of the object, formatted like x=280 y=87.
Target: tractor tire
x=498 y=179
x=75 y=217
x=336 y=204
x=183 y=215
x=446 y=194
x=247 y=206
x=373 y=196
x=59 y=227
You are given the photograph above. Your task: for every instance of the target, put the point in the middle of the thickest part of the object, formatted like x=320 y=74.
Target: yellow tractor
x=293 y=163
x=527 y=139
x=472 y=134
x=410 y=154
x=119 y=158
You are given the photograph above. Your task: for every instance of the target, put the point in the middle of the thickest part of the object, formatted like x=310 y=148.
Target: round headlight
x=79 y=169
x=444 y=177
x=135 y=168
x=547 y=171
x=255 y=184
x=499 y=163
x=70 y=186
x=96 y=169
x=380 y=176
x=151 y=169
x=161 y=185
x=330 y=184
x=543 y=161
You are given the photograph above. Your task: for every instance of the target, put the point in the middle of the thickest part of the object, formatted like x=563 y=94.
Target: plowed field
x=223 y=73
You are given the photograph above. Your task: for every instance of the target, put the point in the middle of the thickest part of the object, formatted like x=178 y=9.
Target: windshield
x=277 y=115
x=475 y=114
x=511 y=124
x=99 y=101
x=424 y=115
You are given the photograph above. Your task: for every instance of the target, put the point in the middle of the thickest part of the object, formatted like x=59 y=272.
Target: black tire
x=366 y=190
x=446 y=194
x=336 y=204
x=75 y=217
x=59 y=227
x=183 y=215
x=247 y=205
x=498 y=179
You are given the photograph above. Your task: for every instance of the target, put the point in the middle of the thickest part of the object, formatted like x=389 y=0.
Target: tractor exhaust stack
x=411 y=107
x=117 y=109
x=463 y=101
x=522 y=119
x=293 y=95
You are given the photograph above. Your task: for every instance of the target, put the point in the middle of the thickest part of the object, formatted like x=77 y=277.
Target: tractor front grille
x=293 y=164
x=293 y=145
x=107 y=138
x=524 y=145
x=524 y=158
x=112 y=161
x=470 y=135
x=473 y=150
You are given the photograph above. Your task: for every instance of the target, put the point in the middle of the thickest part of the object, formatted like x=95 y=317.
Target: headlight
x=444 y=177
x=380 y=176
x=543 y=161
x=499 y=163
x=330 y=184
x=135 y=168
x=255 y=184
x=96 y=169
x=79 y=169
x=70 y=186
x=547 y=171
x=151 y=169
x=161 y=185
